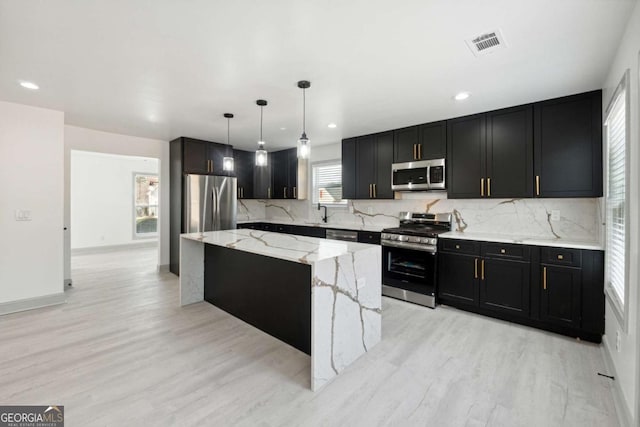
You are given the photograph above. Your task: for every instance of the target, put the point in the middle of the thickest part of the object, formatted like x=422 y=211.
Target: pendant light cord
x=261 y=141
x=228 y=125
x=304 y=111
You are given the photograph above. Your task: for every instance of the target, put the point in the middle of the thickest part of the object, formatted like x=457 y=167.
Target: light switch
x=23 y=215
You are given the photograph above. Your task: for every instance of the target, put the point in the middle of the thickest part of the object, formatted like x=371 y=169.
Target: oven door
x=410 y=270
x=410 y=176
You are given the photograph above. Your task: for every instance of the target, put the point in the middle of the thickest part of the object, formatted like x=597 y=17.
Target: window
x=145 y=189
x=327 y=183
x=616 y=127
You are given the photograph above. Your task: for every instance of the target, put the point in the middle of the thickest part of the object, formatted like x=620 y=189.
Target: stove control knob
x=402 y=238
x=424 y=240
x=384 y=236
x=433 y=241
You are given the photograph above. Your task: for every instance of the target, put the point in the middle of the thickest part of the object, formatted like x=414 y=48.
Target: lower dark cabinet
x=371 y=237
x=505 y=286
x=555 y=289
x=458 y=278
x=560 y=296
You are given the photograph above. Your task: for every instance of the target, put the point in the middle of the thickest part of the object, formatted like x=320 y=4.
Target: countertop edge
x=524 y=240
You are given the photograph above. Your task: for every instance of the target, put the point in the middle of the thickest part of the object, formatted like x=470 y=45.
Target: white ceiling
x=164 y=69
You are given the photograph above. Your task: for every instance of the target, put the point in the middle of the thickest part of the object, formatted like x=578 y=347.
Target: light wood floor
x=121 y=352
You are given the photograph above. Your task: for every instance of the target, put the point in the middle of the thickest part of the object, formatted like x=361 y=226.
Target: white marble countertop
x=301 y=249
x=317 y=224
x=524 y=240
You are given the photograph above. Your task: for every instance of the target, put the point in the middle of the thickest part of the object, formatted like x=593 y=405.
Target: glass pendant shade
x=261 y=155
x=304 y=147
x=227 y=164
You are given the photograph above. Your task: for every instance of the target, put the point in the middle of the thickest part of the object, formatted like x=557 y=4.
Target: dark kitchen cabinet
x=244 y=167
x=371 y=237
x=262 y=179
x=458 y=278
x=349 y=168
x=556 y=289
x=203 y=157
x=505 y=285
x=491 y=154
x=284 y=167
x=424 y=142
x=373 y=160
x=568 y=146
x=560 y=298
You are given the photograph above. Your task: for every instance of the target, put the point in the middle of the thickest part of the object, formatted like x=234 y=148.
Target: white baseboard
x=32 y=303
x=624 y=413
x=164 y=268
x=113 y=248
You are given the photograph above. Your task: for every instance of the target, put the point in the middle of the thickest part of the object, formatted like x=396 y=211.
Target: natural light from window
x=327 y=183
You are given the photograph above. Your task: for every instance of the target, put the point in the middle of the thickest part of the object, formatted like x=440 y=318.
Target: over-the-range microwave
x=419 y=176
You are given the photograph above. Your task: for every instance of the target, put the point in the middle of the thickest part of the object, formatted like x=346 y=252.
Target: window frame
x=136 y=235
x=620 y=308
x=312 y=199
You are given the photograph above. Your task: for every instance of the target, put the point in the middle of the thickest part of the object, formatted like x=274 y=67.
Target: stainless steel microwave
x=419 y=176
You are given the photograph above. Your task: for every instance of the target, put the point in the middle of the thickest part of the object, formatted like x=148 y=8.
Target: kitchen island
x=320 y=296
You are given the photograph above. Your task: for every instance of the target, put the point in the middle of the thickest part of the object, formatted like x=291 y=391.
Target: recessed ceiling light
x=29 y=85
x=461 y=96
x=283 y=128
x=332 y=125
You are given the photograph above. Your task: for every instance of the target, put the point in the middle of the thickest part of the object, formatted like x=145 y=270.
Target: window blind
x=327 y=183
x=616 y=129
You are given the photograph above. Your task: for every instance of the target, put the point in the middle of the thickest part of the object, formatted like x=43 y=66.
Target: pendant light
x=227 y=162
x=261 y=153
x=304 y=145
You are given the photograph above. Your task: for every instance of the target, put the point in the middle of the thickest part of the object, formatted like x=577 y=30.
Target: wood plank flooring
x=122 y=353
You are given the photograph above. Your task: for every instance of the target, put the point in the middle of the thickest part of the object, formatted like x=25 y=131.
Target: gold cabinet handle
x=294 y=193
x=544 y=278
x=242 y=191
x=488 y=187
x=415 y=151
x=371 y=191
x=481 y=187
x=419 y=151
x=284 y=192
x=475 y=268
x=537 y=185
x=375 y=191
x=269 y=193
x=560 y=257
x=482 y=269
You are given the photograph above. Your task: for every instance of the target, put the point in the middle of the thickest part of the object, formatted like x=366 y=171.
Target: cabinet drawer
x=506 y=250
x=370 y=237
x=468 y=247
x=561 y=256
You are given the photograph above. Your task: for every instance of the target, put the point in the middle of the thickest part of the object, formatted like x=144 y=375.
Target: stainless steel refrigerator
x=209 y=203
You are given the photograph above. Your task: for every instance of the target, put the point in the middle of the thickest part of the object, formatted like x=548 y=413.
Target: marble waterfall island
x=321 y=296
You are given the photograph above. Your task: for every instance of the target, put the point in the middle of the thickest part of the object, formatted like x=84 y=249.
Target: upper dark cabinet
x=568 y=146
x=510 y=152
x=284 y=166
x=424 y=142
x=244 y=167
x=466 y=148
x=203 y=157
x=491 y=154
x=349 y=168
x=373 y=160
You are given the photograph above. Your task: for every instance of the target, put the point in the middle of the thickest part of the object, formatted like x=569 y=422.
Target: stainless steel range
x=410 y=257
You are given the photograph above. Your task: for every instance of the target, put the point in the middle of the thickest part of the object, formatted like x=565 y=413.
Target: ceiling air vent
x=486 y=43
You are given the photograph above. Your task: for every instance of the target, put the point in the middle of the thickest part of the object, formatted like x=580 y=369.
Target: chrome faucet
x=324 y=218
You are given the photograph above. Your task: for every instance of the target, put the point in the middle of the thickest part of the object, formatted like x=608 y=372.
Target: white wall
x=626 y=362
x=31 y=178
x=102 y=199
x=76 y=138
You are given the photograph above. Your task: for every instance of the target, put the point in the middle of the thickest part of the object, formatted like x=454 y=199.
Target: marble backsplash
x=580 y=219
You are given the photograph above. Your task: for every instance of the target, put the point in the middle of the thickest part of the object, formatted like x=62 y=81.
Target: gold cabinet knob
x=457 y=246
x=560 y=257
x=502 y=251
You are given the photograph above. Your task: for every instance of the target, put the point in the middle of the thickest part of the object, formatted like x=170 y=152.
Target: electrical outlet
x=618 y=341
x=555 y=215
x=370 y=210
x=23 y=215
x=361 y=282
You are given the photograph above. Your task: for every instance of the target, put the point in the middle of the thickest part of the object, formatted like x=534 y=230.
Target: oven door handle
x=414 y=246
